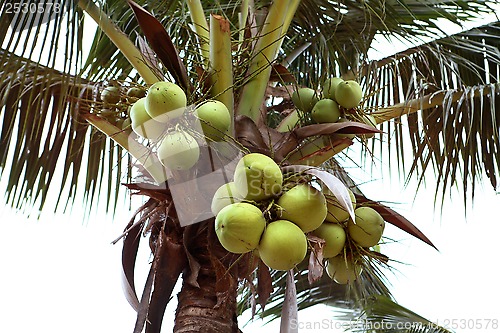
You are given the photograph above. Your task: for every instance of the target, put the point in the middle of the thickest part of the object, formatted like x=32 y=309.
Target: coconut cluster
x=338 y=101
x=269 y=213
x=343 y=236
x=114 y=103
x=247 y=218
x=155 y=117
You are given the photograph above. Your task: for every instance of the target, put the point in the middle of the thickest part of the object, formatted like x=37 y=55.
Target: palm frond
x=43 y=134
x=454 y=83
x=341 y=33
x=381 y=314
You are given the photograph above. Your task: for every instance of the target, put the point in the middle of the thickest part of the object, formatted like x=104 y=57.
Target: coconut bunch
x=114 y=104
x=158 y=117
x=271 y=214
x=346 y=239
x=337 y=102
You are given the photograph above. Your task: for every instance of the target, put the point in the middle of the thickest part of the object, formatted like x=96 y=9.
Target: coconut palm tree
x=63 y=114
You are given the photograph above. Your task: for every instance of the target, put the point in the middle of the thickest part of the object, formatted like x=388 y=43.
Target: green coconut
x=178 y=151
x=110 y=95
x=325 y=111
x=334 y=236
x=134 y=93
x=341 y=270
x=369 y=226
x=224 y=196
x=304 y=99
x=348 y=94
x=239 y=227
x=215 y=119
x=165 y=101
x=336 y=212
x=142 y=124
x=283 y=245
x=303 y=205
x=329 y=87
x=257 y=177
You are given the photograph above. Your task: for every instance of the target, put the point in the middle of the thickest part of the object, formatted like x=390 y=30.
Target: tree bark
x=207 y=300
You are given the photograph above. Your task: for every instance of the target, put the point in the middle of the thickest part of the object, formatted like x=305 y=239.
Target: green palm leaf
x=454 y=82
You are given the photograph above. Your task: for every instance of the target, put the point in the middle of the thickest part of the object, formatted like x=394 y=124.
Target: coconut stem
x=128 y=141
x=201 y=28
x=221 y=62
x=426 y=102
x=264 y=54
x=122 y=42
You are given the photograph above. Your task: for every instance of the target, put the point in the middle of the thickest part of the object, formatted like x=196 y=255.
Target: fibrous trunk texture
x=207 y=300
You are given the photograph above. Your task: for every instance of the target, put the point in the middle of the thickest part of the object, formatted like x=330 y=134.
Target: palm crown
x=438 y=97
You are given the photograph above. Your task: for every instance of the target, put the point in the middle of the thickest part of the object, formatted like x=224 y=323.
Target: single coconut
x=368 y=228
x=134 y=93
x=110 y=95
x=283 y=245
x=142 y=124
x=224 y=196
x=165 y=101
x=348 y=94
x=126 y=125
x=336 y=212
x=215 y=119
x=334 y=236
x=325 y=111
x=342 y=270
x=239 y=227
x=303 y=205
x=329 y=87
x=257 y=177
x=178 y=151
x=304 y=99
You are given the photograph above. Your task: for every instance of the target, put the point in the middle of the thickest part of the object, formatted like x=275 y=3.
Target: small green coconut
x=224 y=196
x=304 y=99
x=239 y=227
x=215 y=119
x=342 y=270
x=303 y=205
x=334 y=236
x=283 y=245
x=348 y=94
x=329 y=87
x=369 y=226
x=257 y=177
x=165 y=101
x=142 y=124
x=110 y=95
x=178 y=151
x=325 y=111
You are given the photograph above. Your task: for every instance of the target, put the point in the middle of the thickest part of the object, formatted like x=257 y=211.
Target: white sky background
x=60 y=274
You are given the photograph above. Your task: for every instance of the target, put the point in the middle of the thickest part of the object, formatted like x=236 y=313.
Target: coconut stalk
x=242 y=20
x=127 y=141
x=201 y=28
x=264 y=53
x=120 y=39
x=426 y=102
x=221 y=67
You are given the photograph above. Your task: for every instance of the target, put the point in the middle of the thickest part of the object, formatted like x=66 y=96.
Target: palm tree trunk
x=207 y=300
